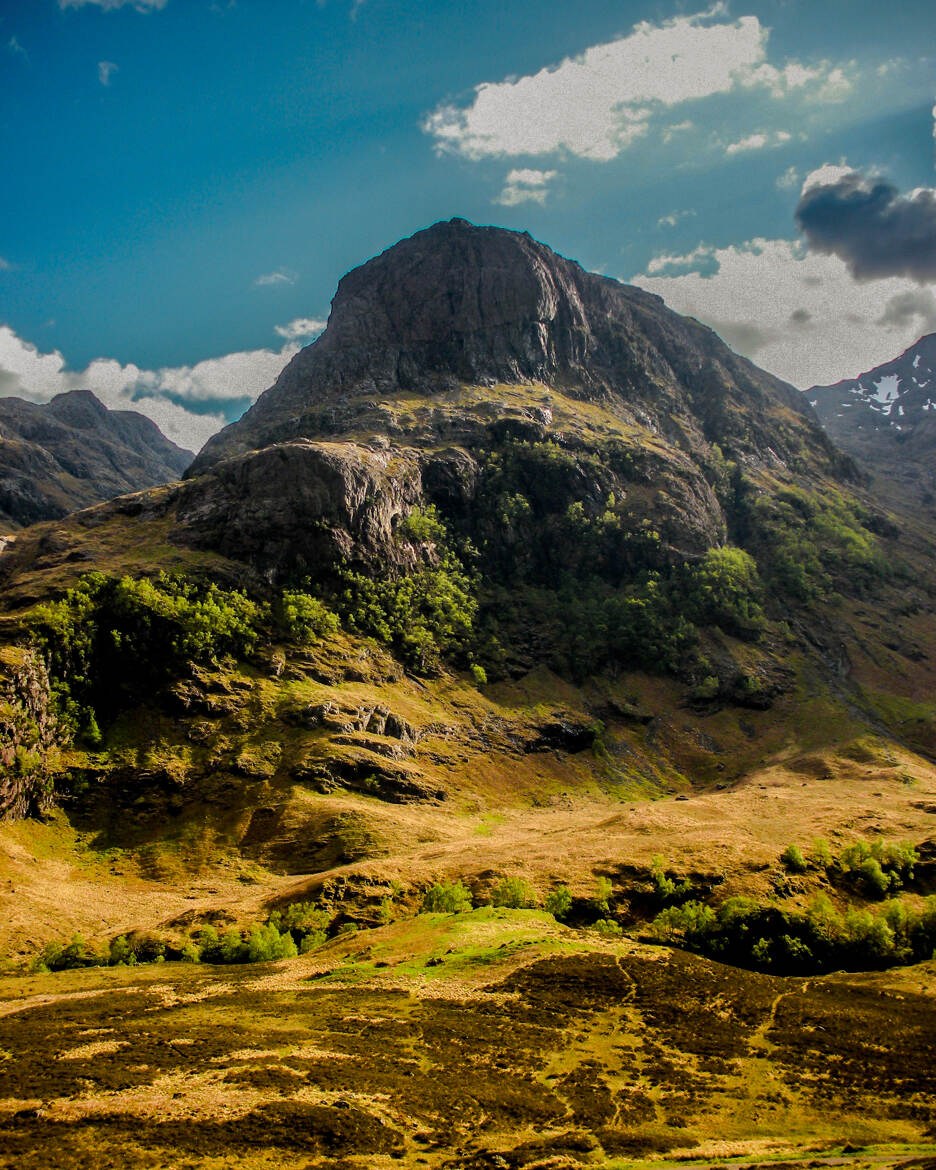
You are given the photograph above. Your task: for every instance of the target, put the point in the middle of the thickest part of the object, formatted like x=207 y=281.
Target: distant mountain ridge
x=73 y=452
x=886 y=417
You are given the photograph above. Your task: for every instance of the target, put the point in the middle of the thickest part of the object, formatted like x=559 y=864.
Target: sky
x=185 y=181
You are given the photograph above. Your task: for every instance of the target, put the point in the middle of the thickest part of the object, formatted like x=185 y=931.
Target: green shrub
x=446 y=898
x=67 y=956
x=514 y=893
x=603 y=890
x=667 y=890
x=793 y=859
x=305 y=618
x=607 y=928
x=190 y=953
x=558 y=902
x=821 y=855
x=265 y=944
x=690 y=919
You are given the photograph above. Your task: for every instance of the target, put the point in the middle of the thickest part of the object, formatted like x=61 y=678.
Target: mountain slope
x=508 y=536
x=886 y=418
x=72 y=452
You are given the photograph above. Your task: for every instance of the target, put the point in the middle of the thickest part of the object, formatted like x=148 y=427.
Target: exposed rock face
x=307 y=504
x=886 y=418
x=457 y=343
x=72 y=452
x=459 y=305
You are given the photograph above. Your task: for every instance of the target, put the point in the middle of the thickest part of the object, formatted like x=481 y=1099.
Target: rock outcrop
x=73 y=452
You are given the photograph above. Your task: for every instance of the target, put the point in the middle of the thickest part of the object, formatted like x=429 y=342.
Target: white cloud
x=668 y=262
x=800 y=315
x=104 y=71
x=752 y=142
x=525 y=186
x=111 y=5
x=827 y=175
x=281 y=276
x=789 y=179
x=300 y=328
x=677 y=128
x=5 y=265
x=758 y=141
x=169 y=395
x=673 y=218
x=597 y=104
x=15 y=47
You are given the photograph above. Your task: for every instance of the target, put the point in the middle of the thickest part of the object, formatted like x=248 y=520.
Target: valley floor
x=496 y=1038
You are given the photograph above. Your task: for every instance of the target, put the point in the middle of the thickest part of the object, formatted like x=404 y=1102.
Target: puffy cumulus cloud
x=864 y=220
x=110 y=5
x=300 y=329
x=525 y=186
x=280 y=276
x=758 y=141
x=800 y=314
x=597 y=104
x=188 y=403
x=104 y=71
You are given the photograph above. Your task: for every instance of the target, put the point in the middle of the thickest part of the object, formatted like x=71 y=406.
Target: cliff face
x=73 y=452
x=459 y=305
x=462 y=341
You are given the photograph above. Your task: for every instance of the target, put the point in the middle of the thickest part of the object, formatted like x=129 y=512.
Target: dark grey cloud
x=905 y=308
x=867 y=222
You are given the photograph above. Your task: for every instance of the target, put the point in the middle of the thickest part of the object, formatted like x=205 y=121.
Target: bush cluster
x=294 y=930
x=425 y=615
x=113 y=641
x=809 y=545
x=820 y=939
x=872 y=868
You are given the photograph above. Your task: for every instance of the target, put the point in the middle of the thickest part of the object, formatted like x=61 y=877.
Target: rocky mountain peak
x=457 y=305
x=886 y=417
x=79 y=408
x=489 y=302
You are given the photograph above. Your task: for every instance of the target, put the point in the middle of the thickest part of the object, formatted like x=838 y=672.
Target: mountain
x=463 y=340
x=71 y=452
x=886 y=418
x=518 y=590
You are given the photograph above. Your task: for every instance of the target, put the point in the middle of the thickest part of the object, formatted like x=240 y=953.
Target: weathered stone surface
x=420 y=374
x=303 y=503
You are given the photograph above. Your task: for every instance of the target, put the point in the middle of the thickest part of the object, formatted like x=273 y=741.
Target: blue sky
x=186 y=180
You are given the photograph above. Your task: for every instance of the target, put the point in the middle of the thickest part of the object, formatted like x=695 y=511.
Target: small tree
x=446 y=898
x=559 y=902
x=514 y=893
